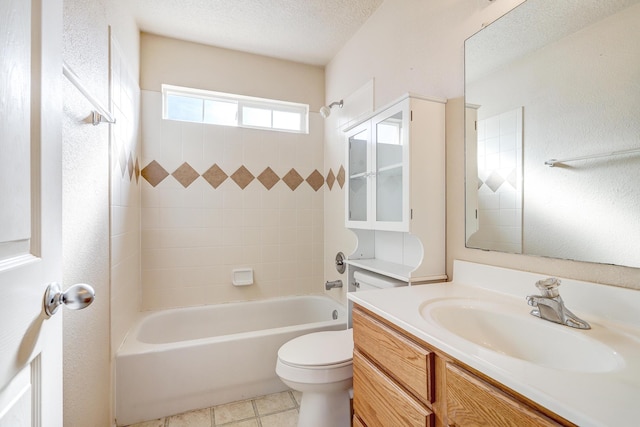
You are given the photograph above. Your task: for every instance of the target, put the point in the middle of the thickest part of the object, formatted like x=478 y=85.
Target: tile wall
x=125 y=197
x=500 y=183
x=216 y=198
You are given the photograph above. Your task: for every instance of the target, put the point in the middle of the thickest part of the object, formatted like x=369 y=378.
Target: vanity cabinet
x=399 y=380
x=472 y=401
x=384 y=396
x=392 y=158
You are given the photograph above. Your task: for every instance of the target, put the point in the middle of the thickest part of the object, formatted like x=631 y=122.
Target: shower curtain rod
x=100 y=114
x=553 y=162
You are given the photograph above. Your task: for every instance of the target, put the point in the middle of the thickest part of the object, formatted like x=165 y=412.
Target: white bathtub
x=183 y=359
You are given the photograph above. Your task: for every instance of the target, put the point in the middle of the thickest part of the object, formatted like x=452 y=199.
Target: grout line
x=255 y=411
x=213 y=417
x=295 y=402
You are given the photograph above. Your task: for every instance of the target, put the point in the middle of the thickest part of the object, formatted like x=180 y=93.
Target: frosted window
x=217 y=108
x=221 y=112
x=286 y=120
x=258 y=117
x=184 y=108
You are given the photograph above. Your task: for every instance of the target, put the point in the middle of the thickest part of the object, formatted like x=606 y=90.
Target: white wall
x=87 y=353
x=412 y=46
x=357 y=104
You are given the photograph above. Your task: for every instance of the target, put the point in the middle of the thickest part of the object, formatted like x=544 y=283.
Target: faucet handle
x=549 y=287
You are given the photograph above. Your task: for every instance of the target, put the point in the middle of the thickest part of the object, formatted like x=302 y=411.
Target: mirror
x=556 y=83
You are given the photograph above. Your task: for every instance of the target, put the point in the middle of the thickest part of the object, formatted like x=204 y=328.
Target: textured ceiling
x=308 y=31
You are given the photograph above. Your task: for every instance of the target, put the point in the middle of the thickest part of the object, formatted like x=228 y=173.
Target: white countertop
x=584 y=398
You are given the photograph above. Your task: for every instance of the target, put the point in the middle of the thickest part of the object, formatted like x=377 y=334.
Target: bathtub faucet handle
x=334 y=284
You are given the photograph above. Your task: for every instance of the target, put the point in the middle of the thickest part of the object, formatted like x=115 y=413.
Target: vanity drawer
x=378 y=401
x=410 y=364
x=473 y=402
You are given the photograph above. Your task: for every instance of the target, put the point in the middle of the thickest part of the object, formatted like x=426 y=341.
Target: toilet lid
x=318 y=349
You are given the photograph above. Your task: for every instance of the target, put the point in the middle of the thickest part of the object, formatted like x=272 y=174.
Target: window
x=202 y=106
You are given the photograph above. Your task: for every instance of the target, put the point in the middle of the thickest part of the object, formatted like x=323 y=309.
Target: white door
x=30 y=211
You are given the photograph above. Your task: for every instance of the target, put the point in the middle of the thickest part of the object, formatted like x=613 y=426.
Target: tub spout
x=334 y=284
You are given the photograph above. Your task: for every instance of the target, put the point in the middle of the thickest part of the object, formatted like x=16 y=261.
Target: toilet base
x=325 y=409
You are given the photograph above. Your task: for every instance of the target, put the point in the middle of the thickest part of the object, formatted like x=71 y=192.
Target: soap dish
x=242 y=277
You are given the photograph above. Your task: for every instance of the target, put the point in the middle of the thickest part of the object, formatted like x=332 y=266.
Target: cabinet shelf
x=387 y=170
x=393 y=167
x=393 y=270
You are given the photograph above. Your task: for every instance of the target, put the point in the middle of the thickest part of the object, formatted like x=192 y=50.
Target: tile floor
x=273 y=410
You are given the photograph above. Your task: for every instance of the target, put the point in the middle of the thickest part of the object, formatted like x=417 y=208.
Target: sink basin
x=512 y=331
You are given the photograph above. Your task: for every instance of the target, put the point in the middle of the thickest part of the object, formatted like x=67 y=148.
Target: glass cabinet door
x=359 y=176
x=389 y=163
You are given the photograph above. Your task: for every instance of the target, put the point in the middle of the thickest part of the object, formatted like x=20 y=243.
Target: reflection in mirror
x=497 y=198
x=555 y=80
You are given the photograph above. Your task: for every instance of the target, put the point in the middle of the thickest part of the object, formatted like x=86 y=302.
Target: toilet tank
x=366 y=281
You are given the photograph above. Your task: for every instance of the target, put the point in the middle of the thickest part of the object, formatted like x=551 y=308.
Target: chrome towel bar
x=101 y=114
x=553 y=162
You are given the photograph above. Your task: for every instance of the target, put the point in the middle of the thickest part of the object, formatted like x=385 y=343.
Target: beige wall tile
x=238 y=211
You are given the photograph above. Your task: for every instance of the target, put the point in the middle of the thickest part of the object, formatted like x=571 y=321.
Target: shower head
x=326 y=110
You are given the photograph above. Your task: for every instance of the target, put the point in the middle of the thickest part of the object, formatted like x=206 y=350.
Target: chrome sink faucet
x=550 y=306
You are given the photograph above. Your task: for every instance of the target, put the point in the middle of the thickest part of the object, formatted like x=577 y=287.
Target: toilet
x=320 y=365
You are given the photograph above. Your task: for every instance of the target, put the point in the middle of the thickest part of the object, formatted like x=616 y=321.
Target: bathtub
x=179 y=360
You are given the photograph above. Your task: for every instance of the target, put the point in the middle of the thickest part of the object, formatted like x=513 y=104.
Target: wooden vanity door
x=473 y=402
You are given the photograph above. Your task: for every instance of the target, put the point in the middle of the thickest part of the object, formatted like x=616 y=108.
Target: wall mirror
x=552 y=129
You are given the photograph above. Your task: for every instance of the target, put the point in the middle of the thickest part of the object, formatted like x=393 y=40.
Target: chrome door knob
x=76 y=297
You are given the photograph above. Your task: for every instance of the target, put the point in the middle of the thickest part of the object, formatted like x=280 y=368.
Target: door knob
x=76 y=297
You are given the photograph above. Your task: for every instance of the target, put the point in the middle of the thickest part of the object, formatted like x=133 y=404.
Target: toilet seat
x=319 y=350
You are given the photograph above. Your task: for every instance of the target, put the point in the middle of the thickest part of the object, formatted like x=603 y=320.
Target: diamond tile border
x=292 y=179
x=341 y=177
x=185 y=174
x=137 y=170
x=154 y=173
x=494 y=181
x=268 y=178
x=315 y=180
x=215 y=176
x=242 y=177
x=125 y=159
x=331 y=179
